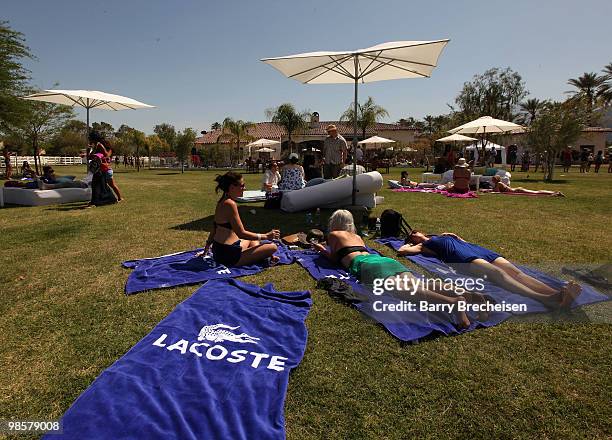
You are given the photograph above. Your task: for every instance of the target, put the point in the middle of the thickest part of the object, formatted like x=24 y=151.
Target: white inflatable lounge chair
x=41 y=197
x=334 y=194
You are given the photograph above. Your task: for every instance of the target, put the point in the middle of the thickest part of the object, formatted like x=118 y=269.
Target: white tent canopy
x=265 y=150
x=456 y=138
x=477 y=147
x=486 y=124
x=393 y=60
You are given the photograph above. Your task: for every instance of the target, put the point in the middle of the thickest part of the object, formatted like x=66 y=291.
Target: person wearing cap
x=461 y=177
x=292 y=175
x=334 y=153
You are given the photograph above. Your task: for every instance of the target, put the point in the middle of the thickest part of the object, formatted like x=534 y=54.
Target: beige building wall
x=404 y=136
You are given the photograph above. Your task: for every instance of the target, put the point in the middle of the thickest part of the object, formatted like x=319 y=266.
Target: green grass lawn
x=64 y=318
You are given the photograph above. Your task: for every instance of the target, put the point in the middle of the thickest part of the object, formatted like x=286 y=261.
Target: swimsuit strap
x=343 y=252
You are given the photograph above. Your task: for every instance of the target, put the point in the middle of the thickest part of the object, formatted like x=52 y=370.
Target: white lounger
x=40 y=197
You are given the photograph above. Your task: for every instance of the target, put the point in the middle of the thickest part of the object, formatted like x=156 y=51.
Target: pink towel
x=468 y=195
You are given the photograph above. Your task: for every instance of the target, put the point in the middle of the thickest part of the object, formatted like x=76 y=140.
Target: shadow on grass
x=70 y=207
x=262 y=221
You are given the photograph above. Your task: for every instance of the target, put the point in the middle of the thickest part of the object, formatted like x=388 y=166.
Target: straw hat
x=331 y=127
x=461 y=163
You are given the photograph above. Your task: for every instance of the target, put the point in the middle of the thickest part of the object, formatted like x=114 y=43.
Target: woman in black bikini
x=231 y=244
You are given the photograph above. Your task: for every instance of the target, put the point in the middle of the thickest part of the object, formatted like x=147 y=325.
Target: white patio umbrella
x=262 y=143
x=486 y=124
x=374 y=140
x=265 y=150
x=88 y=99
x=456 y=138
x=393 y=60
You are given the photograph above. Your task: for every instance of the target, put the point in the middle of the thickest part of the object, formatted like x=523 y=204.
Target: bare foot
x=559 y=194
x=569 y=293
x=274 y=260
x=478 y=298
x=462 y=318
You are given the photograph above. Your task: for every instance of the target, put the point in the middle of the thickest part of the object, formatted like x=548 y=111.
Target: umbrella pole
x=354 y=192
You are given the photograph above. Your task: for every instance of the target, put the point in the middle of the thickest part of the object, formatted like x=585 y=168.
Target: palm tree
x=216 y=126
x=289 y=118
x=368 y=114
x=607 y=70
x=235 y=131
x=607 y=95
x=530 y=110
x=590 y=87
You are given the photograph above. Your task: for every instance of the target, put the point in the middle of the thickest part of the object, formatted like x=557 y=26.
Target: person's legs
x=416 y=290
x=256 y=253
x=498 y=276
x=114 y=187
x=523 y=278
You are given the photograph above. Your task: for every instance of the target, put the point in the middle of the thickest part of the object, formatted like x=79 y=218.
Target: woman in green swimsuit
x=348 y=249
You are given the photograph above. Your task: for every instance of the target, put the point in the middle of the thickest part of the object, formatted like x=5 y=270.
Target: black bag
x=392 y=224
x=273 y=200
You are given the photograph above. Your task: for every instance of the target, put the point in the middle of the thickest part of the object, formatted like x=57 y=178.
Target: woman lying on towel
x=232 y=245
x=452 y=249
x=499 y=186
x=348 y=249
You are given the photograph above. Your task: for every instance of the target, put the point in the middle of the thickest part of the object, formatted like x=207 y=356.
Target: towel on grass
x=184 y=268
x=467 y=195
x=434 y=265
x=488 y=191
x=217 y=367
x=404 y=325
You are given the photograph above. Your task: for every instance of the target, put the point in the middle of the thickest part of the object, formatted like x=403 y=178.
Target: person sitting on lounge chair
x=501 y=187
x=27 y=171
x=461 y=178
x=482 y=262
x=348 y=249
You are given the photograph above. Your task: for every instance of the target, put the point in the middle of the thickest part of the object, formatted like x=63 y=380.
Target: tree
x=235 y=131
x=496 y=93
x=155 y=145
x=216 y=126
x=13 y=77
x=290 y=119
x=590 y=88
x=70 y=140
x=166 y=132
x=557 y=126
x=138 y=139
x=368 y=114
x=184 y=142
x=105 y=129
x=42 y=121
x=529 y=110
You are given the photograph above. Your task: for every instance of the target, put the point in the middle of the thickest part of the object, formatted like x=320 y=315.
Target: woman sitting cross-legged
x=482 y=262
x=500 y=186
x=348 y=249
x=232 y=245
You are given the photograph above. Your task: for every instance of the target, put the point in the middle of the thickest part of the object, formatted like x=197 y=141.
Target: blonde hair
x=342 y=220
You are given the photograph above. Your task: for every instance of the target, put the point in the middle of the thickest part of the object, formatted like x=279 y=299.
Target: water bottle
x=318 y=218
x=378 y=226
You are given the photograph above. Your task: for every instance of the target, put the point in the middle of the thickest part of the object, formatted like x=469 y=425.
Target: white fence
x=45 y=160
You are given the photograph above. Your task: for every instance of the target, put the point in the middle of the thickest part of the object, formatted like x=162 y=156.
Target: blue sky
x=198 y=61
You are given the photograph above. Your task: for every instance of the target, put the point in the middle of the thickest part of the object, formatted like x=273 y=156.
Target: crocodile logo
x=223 y=332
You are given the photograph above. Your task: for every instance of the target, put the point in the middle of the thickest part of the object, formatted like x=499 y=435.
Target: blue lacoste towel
x=403 y=324
x=434 y=265
x=217 y=367
x=184 y=268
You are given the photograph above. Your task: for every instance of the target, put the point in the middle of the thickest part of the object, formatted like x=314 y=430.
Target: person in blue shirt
x=482 y=262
